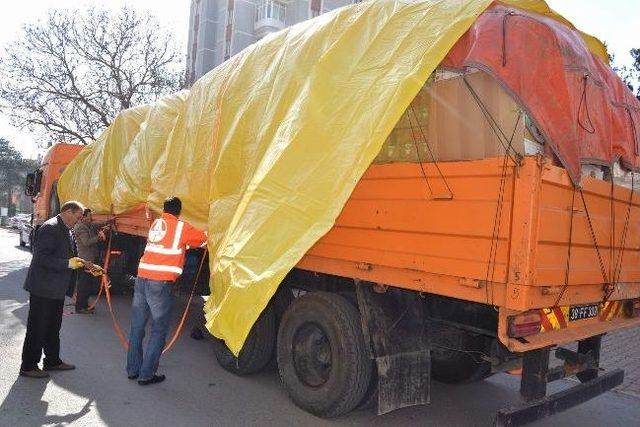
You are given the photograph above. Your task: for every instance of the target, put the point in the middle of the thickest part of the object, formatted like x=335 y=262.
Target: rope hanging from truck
x=569 y=246
x=612 y=222
x=617 y=271
x=507 y=145
x=584 y=102
x=495 y=127
x=433 y=157
x=603 y=271
x=105 y=266
x=493 y=253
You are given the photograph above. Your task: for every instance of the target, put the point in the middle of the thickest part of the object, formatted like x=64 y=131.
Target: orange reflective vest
x=166 y=244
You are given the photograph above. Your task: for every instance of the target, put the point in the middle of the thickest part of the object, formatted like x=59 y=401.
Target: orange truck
x=488 y=232
x=128 y=243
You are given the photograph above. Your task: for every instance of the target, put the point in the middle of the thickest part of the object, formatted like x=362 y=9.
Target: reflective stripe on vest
x=163 y=268
x=151 y=247
x=178 y=235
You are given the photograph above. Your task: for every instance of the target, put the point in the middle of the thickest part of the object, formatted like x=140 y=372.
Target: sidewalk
x=622 y=350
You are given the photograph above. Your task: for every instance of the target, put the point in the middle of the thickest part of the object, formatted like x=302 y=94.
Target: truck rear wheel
x=322 y=358
x=257 y=350
x=457 y=356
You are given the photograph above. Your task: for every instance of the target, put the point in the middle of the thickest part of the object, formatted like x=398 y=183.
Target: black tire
x=457 y=356
x=322 y=359
x=257 y=350
x=280 y=302
x=22 y=242
x=370 y=399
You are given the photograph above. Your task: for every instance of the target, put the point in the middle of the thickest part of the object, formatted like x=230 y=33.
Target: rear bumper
x=575 y=332
x=560 y=401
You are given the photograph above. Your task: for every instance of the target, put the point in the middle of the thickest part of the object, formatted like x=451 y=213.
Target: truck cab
x=41 y=184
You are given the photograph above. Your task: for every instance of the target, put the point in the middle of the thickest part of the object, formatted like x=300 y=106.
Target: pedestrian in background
x=50 y=274
x=160 y=266
x=88 y=234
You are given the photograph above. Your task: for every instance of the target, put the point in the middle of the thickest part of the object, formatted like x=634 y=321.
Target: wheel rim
x=312 y=357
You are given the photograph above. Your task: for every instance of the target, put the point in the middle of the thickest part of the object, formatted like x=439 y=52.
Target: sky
x=617 y=22
x=173 y=14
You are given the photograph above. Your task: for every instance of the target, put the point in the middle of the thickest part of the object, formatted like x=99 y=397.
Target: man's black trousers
x=86 y=286
x=43 y=332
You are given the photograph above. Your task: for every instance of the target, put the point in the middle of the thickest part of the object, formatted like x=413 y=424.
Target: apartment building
x=218 y=29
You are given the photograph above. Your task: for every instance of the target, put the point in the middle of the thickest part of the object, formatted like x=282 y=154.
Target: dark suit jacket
x=49 y=274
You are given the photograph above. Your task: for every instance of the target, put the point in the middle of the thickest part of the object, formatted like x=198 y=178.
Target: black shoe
x=132 y=377
x=60 y=367
x=34 y=373
x=154 y=379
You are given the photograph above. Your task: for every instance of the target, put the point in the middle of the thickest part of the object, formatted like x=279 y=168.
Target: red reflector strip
x=526 y=329
x=524 y=324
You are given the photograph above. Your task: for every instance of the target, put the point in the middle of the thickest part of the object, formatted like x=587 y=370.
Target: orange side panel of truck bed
x=586 y=266
x=399 y=229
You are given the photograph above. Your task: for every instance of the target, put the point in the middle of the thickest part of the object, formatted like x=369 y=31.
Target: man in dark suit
x=50 y=274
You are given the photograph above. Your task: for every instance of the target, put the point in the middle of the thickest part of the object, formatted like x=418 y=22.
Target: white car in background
x=24 y=234
x=19 y=219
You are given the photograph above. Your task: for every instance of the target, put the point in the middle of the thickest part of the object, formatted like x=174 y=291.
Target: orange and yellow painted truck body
x=502 y=239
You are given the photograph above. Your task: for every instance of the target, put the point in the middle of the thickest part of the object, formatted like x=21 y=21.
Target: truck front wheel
x=322 y=358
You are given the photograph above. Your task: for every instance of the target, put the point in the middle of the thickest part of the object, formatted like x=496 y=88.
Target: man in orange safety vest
x=160 y=266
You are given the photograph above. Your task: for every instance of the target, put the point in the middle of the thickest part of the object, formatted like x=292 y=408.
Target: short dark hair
x=172 y=205
x=72 y=205
x=86 y=212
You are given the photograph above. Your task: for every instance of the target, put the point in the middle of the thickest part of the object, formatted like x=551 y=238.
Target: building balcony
x=267 y=25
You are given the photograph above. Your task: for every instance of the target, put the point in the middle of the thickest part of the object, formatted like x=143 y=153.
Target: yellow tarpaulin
x=91 y=175
x=266 y=148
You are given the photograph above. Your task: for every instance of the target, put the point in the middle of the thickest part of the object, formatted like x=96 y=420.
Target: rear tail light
x=525 y=324
x=632 y=308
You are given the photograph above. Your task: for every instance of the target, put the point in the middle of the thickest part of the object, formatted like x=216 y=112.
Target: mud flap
x=397 y=337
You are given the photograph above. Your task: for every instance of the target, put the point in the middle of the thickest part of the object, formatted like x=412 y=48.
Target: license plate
x=579 y=312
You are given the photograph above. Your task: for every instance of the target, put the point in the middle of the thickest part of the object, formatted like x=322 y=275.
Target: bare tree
x=70 y=74
x=631 y=74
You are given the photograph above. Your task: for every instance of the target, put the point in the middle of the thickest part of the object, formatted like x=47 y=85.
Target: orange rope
x=186 y=310
x=116 y=324
x=105 y=266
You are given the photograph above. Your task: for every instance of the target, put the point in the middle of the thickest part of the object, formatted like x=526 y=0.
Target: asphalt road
x=198 y=392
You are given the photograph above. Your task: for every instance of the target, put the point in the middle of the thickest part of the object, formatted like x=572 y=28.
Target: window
x=315 y=8
x=270 y=9
x=229 y=30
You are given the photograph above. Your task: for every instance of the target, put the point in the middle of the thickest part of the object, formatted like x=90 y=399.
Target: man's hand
x=93 y=269
x=101 y=234
x=76 y=263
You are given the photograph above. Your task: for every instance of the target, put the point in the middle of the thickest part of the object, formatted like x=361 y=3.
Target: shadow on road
x=25 y=401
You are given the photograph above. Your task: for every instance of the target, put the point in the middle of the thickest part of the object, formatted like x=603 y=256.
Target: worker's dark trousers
x=43 y=332
x=85 y=287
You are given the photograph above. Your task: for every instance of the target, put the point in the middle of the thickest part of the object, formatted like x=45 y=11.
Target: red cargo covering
x=582 y=108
